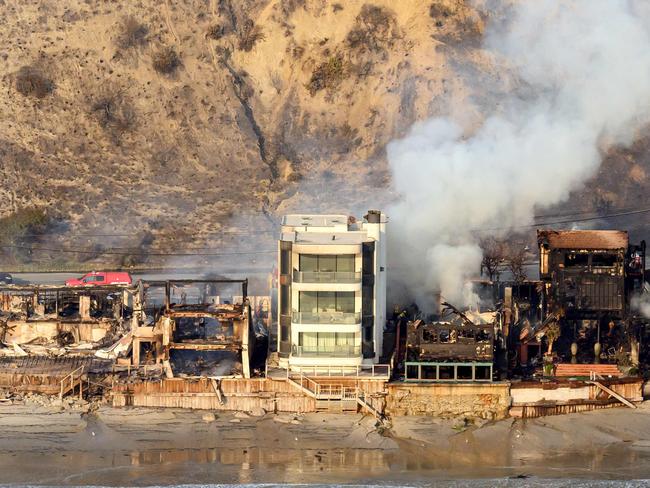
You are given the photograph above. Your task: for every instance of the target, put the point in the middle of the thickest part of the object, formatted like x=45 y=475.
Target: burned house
x=588 y=279
x=52 y=337
x=459 y=346
x=54 y=320
x=194 y=333
x=584 y=272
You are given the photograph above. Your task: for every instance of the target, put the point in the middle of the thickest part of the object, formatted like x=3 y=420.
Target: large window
x=327 y=343
x=326 y=301
x=327 y=263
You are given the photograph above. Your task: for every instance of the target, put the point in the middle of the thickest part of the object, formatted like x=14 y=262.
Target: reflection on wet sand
x=257 y=465
x=294 y=464
x=410 y=463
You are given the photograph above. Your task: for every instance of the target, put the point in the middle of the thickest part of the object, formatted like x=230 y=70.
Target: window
x=345 y=302
x=327 y=263
x=326 y=342
x=326 y=301
x=99 y=278
x=308 y=262
x=345 y=263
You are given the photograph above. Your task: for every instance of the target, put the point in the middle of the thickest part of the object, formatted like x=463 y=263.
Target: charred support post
x=167 y=295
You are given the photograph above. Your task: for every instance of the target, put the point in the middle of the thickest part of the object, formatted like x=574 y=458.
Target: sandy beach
x=135 y=446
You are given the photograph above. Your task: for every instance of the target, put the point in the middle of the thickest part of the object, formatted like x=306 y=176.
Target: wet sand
x=46 y=445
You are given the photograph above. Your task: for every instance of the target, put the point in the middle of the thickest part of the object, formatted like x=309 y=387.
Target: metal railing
x=325 y=318
x=326 y=276
x=325 y=391
x=327 y=351
x=361 y=370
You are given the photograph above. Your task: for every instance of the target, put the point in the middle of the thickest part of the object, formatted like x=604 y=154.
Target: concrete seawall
x=471 y=400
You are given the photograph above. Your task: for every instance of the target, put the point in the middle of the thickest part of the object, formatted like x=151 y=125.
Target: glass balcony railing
x=325 y=318
x=339 y=351
x=326 y=277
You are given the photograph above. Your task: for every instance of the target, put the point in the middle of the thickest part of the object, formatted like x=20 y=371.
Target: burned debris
x=58 y=337
x=584 y=272
x=206 y=338
x=54 y=321
x=456 y=346
x=589 y=279
x=578 y=313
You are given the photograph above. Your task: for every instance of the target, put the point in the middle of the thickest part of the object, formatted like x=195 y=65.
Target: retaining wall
x=471 y=400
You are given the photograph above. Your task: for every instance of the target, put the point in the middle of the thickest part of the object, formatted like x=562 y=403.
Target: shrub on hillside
x=22 y=221
x=374 y=26
x=438 y=10
x=249 y=36
x=165 y=60
x=131 y=33
x=30 y=81
x=215 y=32
x=112 y=109
x=327 y=75
x=16 y=231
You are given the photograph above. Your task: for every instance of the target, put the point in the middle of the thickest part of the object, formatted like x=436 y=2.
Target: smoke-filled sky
x=584 y=66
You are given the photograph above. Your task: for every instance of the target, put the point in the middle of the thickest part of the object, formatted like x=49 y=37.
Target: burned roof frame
x=167 y=284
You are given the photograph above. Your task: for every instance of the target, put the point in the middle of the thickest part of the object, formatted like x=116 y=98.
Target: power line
x=584 y=212
x=568 y=221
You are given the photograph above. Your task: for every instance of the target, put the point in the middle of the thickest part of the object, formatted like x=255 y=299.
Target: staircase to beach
x=44 y=375
x=336 y=394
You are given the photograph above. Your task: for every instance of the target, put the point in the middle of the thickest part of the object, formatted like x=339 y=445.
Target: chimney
x=373 y=216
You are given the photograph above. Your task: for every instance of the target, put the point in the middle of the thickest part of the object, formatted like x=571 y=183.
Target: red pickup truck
x=98 y=278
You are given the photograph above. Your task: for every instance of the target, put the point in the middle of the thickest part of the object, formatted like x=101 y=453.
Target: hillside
x=164 y=126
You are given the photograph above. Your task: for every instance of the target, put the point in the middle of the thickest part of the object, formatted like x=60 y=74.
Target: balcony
x=334 y=351
x=325 y=318
x=326 y=276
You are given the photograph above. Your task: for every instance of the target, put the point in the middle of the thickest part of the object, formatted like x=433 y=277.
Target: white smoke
x=641 y=304
x=583 y=67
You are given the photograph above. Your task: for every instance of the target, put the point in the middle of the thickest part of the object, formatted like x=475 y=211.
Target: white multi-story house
x=332 y=290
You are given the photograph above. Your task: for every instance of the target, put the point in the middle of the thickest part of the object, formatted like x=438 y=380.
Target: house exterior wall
x=305 y=335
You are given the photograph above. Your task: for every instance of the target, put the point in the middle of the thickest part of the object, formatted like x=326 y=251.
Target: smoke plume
x=641 y=304
x=582 y=71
